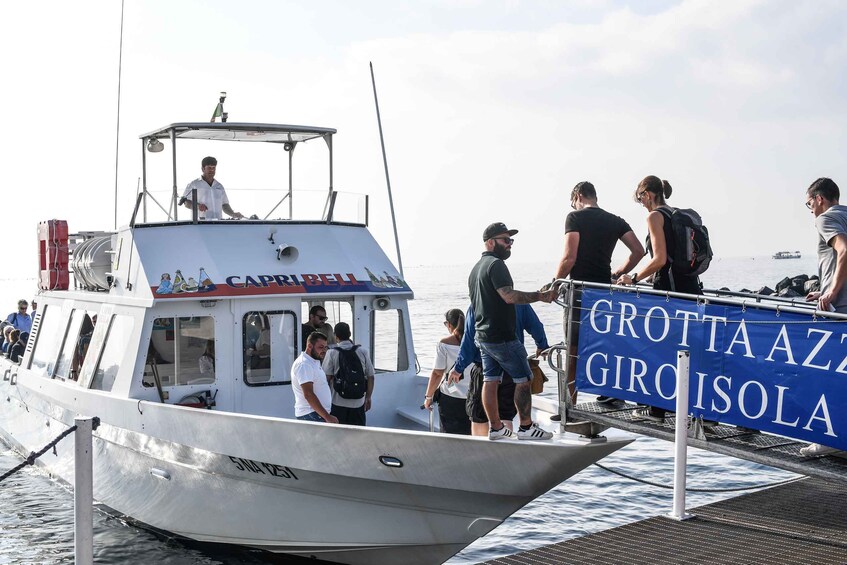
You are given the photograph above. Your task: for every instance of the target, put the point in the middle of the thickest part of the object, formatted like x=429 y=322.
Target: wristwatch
x=634 y=277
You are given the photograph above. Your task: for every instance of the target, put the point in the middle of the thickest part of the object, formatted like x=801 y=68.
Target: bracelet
x=427 y=398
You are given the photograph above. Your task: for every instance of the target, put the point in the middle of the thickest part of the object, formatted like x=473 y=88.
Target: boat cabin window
x=181 y=352
x=77 y=339
x=269 y=343
x=50 y=330
x=117 y=336
x=336 y=311
x=388 y=341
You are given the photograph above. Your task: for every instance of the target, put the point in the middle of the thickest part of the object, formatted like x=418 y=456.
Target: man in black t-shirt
x=493 y=299
x=591 y=234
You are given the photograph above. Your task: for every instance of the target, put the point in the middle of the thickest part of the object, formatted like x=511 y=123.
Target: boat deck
x=801 y=522
x=766 y=449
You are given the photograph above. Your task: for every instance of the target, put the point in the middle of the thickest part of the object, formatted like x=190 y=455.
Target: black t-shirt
x=599 y=232
x=495 y=319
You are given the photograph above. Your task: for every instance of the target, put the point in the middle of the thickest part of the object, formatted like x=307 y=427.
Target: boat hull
x=339 y=493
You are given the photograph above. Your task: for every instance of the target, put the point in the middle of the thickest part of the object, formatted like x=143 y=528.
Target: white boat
x=786 y=255
x=217 y=456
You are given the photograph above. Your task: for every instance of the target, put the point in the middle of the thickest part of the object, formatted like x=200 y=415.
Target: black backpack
x=690 y=253
x=349 y=381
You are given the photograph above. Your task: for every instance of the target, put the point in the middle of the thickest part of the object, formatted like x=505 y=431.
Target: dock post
x=681 y=437
x=83 y=493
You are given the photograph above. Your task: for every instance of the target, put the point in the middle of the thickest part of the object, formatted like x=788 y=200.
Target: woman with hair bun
x=652 y=192
x=451 y=396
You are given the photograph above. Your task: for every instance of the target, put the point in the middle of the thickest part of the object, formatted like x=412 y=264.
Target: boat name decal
x=263 y=468
x=305 y=279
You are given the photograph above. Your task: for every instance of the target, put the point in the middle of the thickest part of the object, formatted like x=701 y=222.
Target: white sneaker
x=816 y=450
x=534 y=432
x=502 y=433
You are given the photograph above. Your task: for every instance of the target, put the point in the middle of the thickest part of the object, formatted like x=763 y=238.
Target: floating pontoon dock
x=801 y=522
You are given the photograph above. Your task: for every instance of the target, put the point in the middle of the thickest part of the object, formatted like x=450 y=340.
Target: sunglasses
x=640 y=195
x=809 y=202
x=506 y=240
x=323 y=318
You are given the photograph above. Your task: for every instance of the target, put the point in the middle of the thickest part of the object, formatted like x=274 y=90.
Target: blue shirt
x=526 y=320
x=22 y=322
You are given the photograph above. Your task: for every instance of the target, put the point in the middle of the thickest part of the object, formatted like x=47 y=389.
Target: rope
x=659 y=485
x=30 y=460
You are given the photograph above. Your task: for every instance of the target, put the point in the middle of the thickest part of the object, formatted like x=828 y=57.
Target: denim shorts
x=508 y=357
x=311 y=417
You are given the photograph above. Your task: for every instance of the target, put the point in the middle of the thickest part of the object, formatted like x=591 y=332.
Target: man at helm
x=211 y=196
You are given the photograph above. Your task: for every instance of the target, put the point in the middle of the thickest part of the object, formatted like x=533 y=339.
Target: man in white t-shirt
x=211 y=196
x=312 y=396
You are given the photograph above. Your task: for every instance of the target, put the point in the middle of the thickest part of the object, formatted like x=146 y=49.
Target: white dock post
x=83 y=493
x=681 y=437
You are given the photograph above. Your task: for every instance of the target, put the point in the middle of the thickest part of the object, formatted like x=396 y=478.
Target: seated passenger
x=7 y=331
x=17 y=347
x=207 y=360
x=3 y=325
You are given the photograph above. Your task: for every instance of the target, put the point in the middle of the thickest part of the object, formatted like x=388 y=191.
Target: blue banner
x=779 y=372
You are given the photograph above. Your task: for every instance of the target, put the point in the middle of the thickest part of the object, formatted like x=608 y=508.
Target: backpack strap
x=667 y=212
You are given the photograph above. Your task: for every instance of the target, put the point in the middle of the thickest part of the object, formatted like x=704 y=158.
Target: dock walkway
x=766 y=449
x=801 y=522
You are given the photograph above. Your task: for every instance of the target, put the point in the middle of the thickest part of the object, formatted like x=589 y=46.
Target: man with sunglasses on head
x=317 y=323
x=20 y=319
x=591 y=235
x=493 y=298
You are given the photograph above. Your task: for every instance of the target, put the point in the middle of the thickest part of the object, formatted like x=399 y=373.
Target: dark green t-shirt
x=495 y=319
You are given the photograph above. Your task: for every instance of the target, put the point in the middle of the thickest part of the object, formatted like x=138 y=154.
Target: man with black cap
x=493 y=299
x=211 y=196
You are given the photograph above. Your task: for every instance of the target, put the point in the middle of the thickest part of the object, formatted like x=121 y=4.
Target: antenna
x=118 y=126
x=387 y=180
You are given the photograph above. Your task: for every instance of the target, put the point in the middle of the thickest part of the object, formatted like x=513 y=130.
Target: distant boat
x=786 y=255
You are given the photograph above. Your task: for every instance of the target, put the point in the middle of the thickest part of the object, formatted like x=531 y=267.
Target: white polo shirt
x=308 y=370
x=214 y=197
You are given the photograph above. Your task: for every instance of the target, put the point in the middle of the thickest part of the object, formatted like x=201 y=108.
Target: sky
x=491 y=110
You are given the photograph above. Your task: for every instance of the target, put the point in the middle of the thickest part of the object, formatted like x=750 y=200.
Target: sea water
x=36 y=513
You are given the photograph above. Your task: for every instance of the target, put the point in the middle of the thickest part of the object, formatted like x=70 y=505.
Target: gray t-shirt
x=831 y=223
x=331 y=364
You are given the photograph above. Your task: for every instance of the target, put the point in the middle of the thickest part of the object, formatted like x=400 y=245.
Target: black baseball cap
x=497 y=228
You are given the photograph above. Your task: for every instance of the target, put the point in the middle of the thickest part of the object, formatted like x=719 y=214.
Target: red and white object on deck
x=53 y=255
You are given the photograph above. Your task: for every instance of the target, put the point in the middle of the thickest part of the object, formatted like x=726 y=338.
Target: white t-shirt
x=445 y=358
x=214 y=197
x=331 y=365
x=308 y=370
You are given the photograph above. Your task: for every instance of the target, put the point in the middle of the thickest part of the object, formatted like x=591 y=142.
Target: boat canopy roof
x=240 y=131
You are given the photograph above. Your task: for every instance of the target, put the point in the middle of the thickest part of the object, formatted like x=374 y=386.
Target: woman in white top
x=451 y=396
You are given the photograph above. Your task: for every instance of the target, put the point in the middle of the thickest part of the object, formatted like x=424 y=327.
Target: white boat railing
x=265 y=204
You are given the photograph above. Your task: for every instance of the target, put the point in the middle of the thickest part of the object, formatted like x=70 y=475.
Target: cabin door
x=265 y=350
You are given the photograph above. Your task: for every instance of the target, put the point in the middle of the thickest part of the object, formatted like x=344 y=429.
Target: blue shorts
x=508 y=357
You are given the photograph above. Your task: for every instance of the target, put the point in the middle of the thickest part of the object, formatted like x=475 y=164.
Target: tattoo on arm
x=512 y=296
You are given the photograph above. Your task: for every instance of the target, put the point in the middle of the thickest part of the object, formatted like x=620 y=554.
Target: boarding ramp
x=768 y=375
